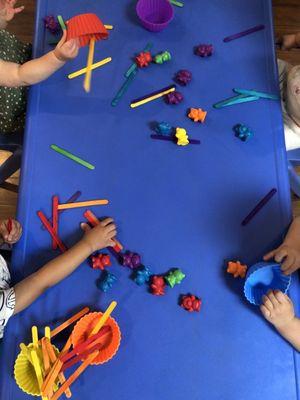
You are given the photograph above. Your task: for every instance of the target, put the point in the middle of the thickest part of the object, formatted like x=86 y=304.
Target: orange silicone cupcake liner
x=110 y=342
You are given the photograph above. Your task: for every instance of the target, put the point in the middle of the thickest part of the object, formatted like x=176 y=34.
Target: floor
x=287 y=20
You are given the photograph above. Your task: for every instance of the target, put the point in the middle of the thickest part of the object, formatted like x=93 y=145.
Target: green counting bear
x=162 y=57
x=174 y=277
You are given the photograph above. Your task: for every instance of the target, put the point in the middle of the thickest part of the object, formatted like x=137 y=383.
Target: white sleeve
x=7 y=306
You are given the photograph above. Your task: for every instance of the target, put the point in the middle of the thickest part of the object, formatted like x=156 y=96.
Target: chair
x=13 y=143
x=294 y=161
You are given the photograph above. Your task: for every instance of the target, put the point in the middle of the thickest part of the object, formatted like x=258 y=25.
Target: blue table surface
x=178 y=207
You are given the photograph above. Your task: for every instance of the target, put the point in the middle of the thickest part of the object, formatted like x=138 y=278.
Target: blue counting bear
x=107 y=280
x=242 y=132
x=164 y=128
x=142 y=275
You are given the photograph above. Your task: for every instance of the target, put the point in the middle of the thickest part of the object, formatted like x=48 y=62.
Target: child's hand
x=8 y=10
x=101 y=236
x=10 y=234
x=278 y=309
x=287 y=42
x=289 y=256
x=66 y=50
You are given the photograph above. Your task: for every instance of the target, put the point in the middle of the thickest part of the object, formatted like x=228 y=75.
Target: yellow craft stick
x=88 y=74
x=148 y=99
x=37 y=368
x=104 y=318
x=109 y=27
x=47 y=332
x=94 y=66
x=67 y=206
x=35 y=337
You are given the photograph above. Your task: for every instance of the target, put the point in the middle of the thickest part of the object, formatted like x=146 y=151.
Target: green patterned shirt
x=13 y=100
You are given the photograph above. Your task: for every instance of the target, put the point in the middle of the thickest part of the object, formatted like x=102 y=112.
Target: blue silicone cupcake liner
x=263 y=277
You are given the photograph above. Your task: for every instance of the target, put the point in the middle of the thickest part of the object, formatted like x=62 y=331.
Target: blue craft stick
x=262 y=95
x=235 y=100
x=133 y=67
x=123 y=89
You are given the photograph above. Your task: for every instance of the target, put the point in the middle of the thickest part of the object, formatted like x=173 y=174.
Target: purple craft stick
x=73 y=198
x=259 y=206
x=153 y=94
x=173 y=139
x=244 y=33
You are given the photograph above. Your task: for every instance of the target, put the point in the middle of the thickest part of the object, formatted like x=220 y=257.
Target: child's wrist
x=287 y=326
x=58 y=57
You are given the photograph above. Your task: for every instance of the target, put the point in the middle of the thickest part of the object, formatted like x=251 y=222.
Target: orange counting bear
x=237 y=269
x=197 y=114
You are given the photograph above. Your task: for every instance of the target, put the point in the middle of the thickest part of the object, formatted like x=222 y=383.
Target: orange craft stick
x=49 y=228
x=49 y=382
x=93 y=220
x=75 y=375
x=69 y=321
x=53 y=359
x=46 y=359
x=78 y=204
x=54 y=219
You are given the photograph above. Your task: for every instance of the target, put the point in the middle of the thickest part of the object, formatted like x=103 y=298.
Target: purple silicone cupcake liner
x=262 y=277
x=155 y=15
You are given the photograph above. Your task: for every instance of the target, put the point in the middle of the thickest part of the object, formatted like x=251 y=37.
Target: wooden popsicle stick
x=82 y=346
x=75 y=375
x=37 y=367
x=35 y=337
x=145 y=100
x=78 y=204
x=109 y=27
x=53 y=359
x=48 y=226
x=93 y=220
x=46 y=359
x=47 y=385
x=47 y=332
x=69 y=321
x=94 y=66
x=88 y=74
x=104 y=318
x=54 y=219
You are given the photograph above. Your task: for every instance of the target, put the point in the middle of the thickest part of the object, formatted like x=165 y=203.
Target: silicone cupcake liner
x=263 y=277
x=84 y=27
x=154 y=15
x=111 y=342
x=24 y=373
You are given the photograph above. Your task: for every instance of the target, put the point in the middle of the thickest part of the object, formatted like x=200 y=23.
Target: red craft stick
x=81 y=356
x=82 y=346
x=49 y=228
x=93 y=220
x=55 y=219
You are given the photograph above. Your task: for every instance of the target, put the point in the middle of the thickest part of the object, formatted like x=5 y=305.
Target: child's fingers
x=85 y=227
x=281 y=297
x=265 y=312
x=112 y=234
x=288 y=262
x=267 y=303
x=290 y=270
x=280 y=255
x=111 y=243
x=18 y=9
x=106 y=221
x=269 y=255
x=63 y=38
x=272 y=298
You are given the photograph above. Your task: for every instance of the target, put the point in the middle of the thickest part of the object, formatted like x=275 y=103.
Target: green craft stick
x=176 y=3
x=71 y=156
x=262 y=95
x=61 y=22
x=235 y=100
x=123 y=89
x=133 y=66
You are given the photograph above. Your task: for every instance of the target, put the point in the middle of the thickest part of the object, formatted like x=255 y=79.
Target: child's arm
x=56 y=270
x=39 y=69
x=278 y=309
x=289 y=251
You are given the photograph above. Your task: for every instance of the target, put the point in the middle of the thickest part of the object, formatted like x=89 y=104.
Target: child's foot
x=293 y=94
x=278 y=309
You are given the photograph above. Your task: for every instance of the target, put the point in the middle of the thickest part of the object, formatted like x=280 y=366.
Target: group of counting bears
x=142 y=275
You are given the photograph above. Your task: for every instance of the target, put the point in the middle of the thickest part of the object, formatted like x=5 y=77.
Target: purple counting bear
x=183 y=77
x=174 y=98
x=204 y=50
x=51 y=24
x=131 y=260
